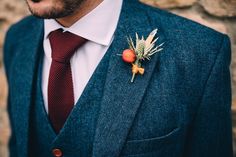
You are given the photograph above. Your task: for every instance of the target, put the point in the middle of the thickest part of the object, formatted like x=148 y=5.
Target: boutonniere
x=140 y=51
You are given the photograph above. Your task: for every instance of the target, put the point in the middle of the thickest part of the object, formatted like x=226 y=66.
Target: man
x=83 y=104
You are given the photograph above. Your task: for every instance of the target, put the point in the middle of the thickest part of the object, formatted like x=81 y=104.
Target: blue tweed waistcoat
x=80 y=124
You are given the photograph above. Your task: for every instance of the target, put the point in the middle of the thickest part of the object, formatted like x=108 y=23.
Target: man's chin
x=39 y=8
x=35 y=1
x=43 y=12
x=49 y=9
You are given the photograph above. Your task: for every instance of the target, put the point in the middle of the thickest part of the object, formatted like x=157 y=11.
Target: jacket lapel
x=25 y=70
x=122 y=98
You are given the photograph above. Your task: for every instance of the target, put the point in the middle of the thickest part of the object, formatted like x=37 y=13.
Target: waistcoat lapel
x=122 y=98
x=24 y=68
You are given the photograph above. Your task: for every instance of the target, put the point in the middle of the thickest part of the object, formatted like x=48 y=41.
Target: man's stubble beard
x=68 y=7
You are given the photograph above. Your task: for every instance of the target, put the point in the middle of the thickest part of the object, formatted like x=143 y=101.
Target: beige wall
x=218 y=14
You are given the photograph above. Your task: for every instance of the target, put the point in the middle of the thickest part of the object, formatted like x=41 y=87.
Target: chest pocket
x=157 y=146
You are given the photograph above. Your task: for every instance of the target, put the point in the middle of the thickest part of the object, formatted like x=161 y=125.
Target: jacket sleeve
x=210 y=134
x=7 y=57
x=12 y=141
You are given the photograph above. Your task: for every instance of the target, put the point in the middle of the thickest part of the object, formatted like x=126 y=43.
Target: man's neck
x=85 y=8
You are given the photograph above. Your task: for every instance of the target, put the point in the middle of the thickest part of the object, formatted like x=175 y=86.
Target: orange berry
x=128 y=56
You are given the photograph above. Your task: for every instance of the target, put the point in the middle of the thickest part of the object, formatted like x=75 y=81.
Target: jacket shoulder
x=197 y=39
x=19 y=31
x=174 y=25
x=14 y=36
x=22 y=27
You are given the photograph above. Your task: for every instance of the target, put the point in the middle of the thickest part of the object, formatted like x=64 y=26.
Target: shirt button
x=57 y=152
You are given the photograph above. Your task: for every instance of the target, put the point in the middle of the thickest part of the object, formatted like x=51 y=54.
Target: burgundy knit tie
x=60 y=86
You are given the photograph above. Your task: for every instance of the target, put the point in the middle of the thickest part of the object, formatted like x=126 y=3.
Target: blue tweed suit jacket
x=180 y=107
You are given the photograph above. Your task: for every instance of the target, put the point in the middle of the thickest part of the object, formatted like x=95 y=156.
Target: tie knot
x=64 y=45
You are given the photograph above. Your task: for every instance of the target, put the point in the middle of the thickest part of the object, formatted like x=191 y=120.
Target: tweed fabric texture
x=179 y=108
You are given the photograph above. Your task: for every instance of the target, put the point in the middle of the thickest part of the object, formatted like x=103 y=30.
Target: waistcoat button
x=57 y=152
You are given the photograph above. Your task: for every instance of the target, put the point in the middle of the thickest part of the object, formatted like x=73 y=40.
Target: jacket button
x=57 y=152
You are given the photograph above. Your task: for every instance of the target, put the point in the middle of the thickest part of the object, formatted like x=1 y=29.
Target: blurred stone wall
x=217 y=14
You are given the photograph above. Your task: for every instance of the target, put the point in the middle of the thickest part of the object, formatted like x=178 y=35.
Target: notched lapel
x=22 y=76
x=122 y=98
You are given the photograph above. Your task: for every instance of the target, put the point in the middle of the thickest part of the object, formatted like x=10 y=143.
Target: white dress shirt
x=98 y=27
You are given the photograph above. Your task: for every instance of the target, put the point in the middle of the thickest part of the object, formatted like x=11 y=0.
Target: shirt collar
x=98 y=25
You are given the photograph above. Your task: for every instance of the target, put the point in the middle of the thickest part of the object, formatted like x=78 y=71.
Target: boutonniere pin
x=143 y=50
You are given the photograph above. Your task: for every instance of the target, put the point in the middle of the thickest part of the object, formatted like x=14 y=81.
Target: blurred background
x=217 y=14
